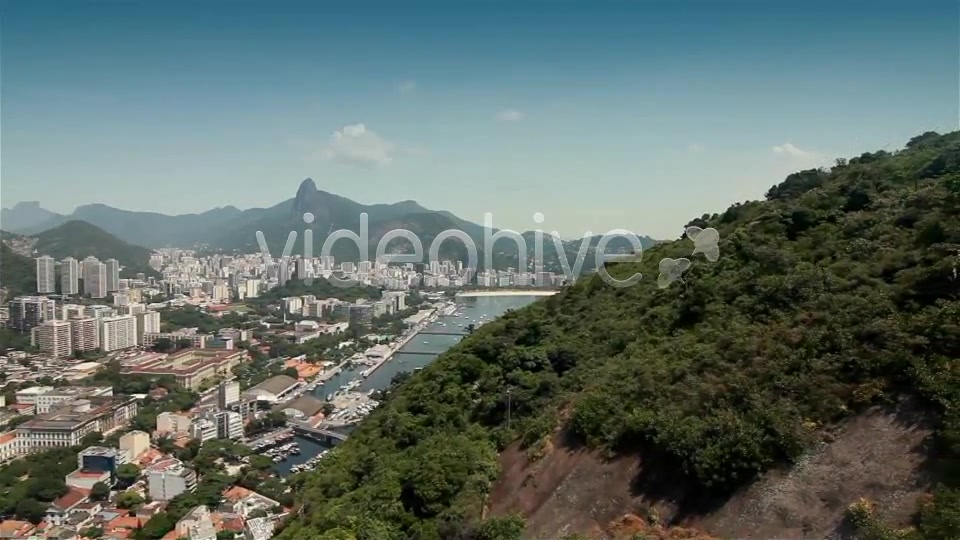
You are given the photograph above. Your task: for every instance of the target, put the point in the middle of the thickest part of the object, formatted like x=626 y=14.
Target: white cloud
x=789 y=149
x=405 y=87
x=695 y=148
x=357 y=145
x=509 y=115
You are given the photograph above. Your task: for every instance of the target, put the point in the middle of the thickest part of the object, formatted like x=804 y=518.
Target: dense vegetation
x=17 y=273
x=28 y=485
x=319 y=287
x=838 y=292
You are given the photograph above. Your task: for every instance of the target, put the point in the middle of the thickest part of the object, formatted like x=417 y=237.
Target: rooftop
x=66 y=419
x=306 y=404
x=275 y=385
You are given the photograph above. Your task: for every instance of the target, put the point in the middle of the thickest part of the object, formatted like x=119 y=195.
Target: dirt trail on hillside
x=880 y=455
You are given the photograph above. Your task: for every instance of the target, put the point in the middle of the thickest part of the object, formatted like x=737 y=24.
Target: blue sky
x=601 y=115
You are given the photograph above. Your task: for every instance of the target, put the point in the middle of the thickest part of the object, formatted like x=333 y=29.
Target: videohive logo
x=705 y=242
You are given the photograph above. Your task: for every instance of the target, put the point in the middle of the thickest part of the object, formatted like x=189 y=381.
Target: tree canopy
x=838 y=292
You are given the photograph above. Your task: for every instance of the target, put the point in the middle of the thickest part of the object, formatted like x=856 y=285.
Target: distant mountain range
x=232 y=229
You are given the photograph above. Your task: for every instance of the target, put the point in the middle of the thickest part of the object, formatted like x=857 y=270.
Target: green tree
x=129 y=500
x=163 y=345
x=91 y=439
x=100 y=492
x=31 y=510
x=158 y=526
x=127 y=474
x=507 y=528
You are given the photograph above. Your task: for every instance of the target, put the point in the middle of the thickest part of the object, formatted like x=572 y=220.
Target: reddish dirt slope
x=570 y=490
x=879 y=455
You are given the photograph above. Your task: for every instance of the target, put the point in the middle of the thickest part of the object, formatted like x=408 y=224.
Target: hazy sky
x=636 y=114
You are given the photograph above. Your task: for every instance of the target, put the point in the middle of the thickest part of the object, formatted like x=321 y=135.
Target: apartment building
x=148 y=322
x=112 y=271
x=94 y=278
x=54 y=338
x=203 y=430
x=46 y=275
x=228 y=393
x=69 y=276
x=170 y=422
x=85 y=333
x=118 y=332
x=170 y=478
x=229 y=425
x=26 y=312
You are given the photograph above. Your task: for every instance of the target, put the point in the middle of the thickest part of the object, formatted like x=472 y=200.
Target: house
x=60 y=509
x=197 y=524
x=11 y=528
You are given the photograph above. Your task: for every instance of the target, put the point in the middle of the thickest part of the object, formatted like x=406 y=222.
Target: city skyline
x=651 y=114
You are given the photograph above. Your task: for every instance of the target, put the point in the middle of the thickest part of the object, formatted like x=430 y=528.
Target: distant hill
x=139 y=228
x=79 y=239
x=27 y=216
x=231 y=229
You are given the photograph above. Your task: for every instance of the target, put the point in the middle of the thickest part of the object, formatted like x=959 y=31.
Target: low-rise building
x=49 y=399
x=68 y=422
x=196 y=339
x=8 y=446
x=191 y=367
x=273 y=389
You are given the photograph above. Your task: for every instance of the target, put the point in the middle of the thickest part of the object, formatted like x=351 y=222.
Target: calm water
x=409 y=358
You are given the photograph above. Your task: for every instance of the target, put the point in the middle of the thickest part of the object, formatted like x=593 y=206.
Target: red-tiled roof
x=71 y=499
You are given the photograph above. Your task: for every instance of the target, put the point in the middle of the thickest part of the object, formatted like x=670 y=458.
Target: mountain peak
x=307 y=186
x=27 y=204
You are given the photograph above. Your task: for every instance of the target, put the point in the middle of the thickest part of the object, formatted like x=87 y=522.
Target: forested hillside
x=837 y=293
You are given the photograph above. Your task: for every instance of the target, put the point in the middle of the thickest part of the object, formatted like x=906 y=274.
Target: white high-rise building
x=46 y=275
x=69 y=276
x=85 y=333
x=253 y=288
x=113 y=274
x=53 y=338
x=229 y=425
x=148 y=322
x=228 y=393
x=94 y=278
x=118 y=332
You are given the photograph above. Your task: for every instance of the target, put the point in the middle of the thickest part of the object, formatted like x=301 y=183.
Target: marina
x=349 y=387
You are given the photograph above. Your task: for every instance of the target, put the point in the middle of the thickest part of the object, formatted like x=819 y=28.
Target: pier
x=320 y=435
x=440 y=333
x=424 y=353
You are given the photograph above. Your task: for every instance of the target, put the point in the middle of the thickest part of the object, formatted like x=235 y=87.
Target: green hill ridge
x=837 y=293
